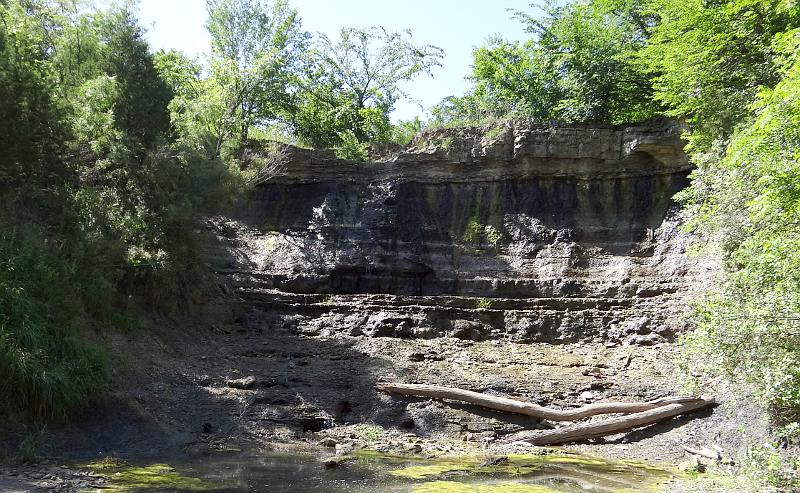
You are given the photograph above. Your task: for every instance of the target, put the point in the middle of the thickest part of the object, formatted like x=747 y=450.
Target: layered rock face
x=530 y=232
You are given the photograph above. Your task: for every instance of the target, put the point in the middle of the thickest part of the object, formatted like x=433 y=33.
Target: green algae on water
x=422 y=472
x=454 y=487
x=592 y=472
x=126 y=478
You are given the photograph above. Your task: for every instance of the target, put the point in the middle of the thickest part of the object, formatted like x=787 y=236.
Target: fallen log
x=611 y=426
x=528 y=408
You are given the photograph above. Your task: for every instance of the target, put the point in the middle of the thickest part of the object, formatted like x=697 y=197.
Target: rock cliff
x=518 y=261
x=530 y=232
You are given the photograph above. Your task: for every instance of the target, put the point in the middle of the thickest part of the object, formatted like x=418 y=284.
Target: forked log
x=528 y=408
x=611 y=426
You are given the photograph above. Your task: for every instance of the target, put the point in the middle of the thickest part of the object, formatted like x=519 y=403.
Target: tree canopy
x=351 y=85
x=255 y=48
x=581 y=64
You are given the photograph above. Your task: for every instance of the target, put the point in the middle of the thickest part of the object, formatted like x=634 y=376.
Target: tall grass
x=47 y=368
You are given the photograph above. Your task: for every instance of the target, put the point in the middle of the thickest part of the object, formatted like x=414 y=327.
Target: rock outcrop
x=529 y=232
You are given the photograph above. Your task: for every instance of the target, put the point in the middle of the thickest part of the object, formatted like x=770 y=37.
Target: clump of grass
x=28 y=448
x=483 y=303
x=47 y=369
x=369 y=432
x=769 y=464
x=351 y=147
x=108 y=463
x=472 y=234
x=446 y=143
x=493 y=133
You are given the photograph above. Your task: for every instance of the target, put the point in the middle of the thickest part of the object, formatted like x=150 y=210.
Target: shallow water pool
x=372 y=472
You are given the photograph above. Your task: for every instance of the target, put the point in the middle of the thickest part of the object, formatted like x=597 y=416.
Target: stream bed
x=373 y=472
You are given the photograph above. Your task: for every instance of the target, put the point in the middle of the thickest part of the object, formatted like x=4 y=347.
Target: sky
x=457 y=26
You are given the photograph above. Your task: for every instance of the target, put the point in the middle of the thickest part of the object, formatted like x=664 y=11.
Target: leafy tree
x=255 y=48
x=351 y=85
x=75 y=43
x=514 y=78
x=141 y=106
x=181 y=73
x=191 y=110
x=82 y=45
x=709 y=59
x=761 y=299
x=28 y=138
x=591 y=47
x=580 y=65
x=510 y=79
x=46 y=369
x=405 y=130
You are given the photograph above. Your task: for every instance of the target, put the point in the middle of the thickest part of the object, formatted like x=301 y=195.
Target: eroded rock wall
x=533 y=232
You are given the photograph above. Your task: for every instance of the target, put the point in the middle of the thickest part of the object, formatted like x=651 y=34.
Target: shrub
x=351 y=148
x=492 y=235
x=750 y=328
x=473 y=233
x=476 y=233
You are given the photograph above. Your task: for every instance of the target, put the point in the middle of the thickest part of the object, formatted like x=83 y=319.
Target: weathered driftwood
x=530 y=409
x=704 y=452
x=611 y=426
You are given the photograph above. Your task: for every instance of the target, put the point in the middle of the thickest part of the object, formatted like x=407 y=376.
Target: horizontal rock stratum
x=517 y=150
x=533 y=232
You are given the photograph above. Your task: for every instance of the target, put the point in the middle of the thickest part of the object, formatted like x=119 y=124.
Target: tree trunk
x=611 y=426
x=530 y=409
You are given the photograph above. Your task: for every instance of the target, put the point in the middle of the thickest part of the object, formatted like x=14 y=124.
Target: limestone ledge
x=515 y=150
